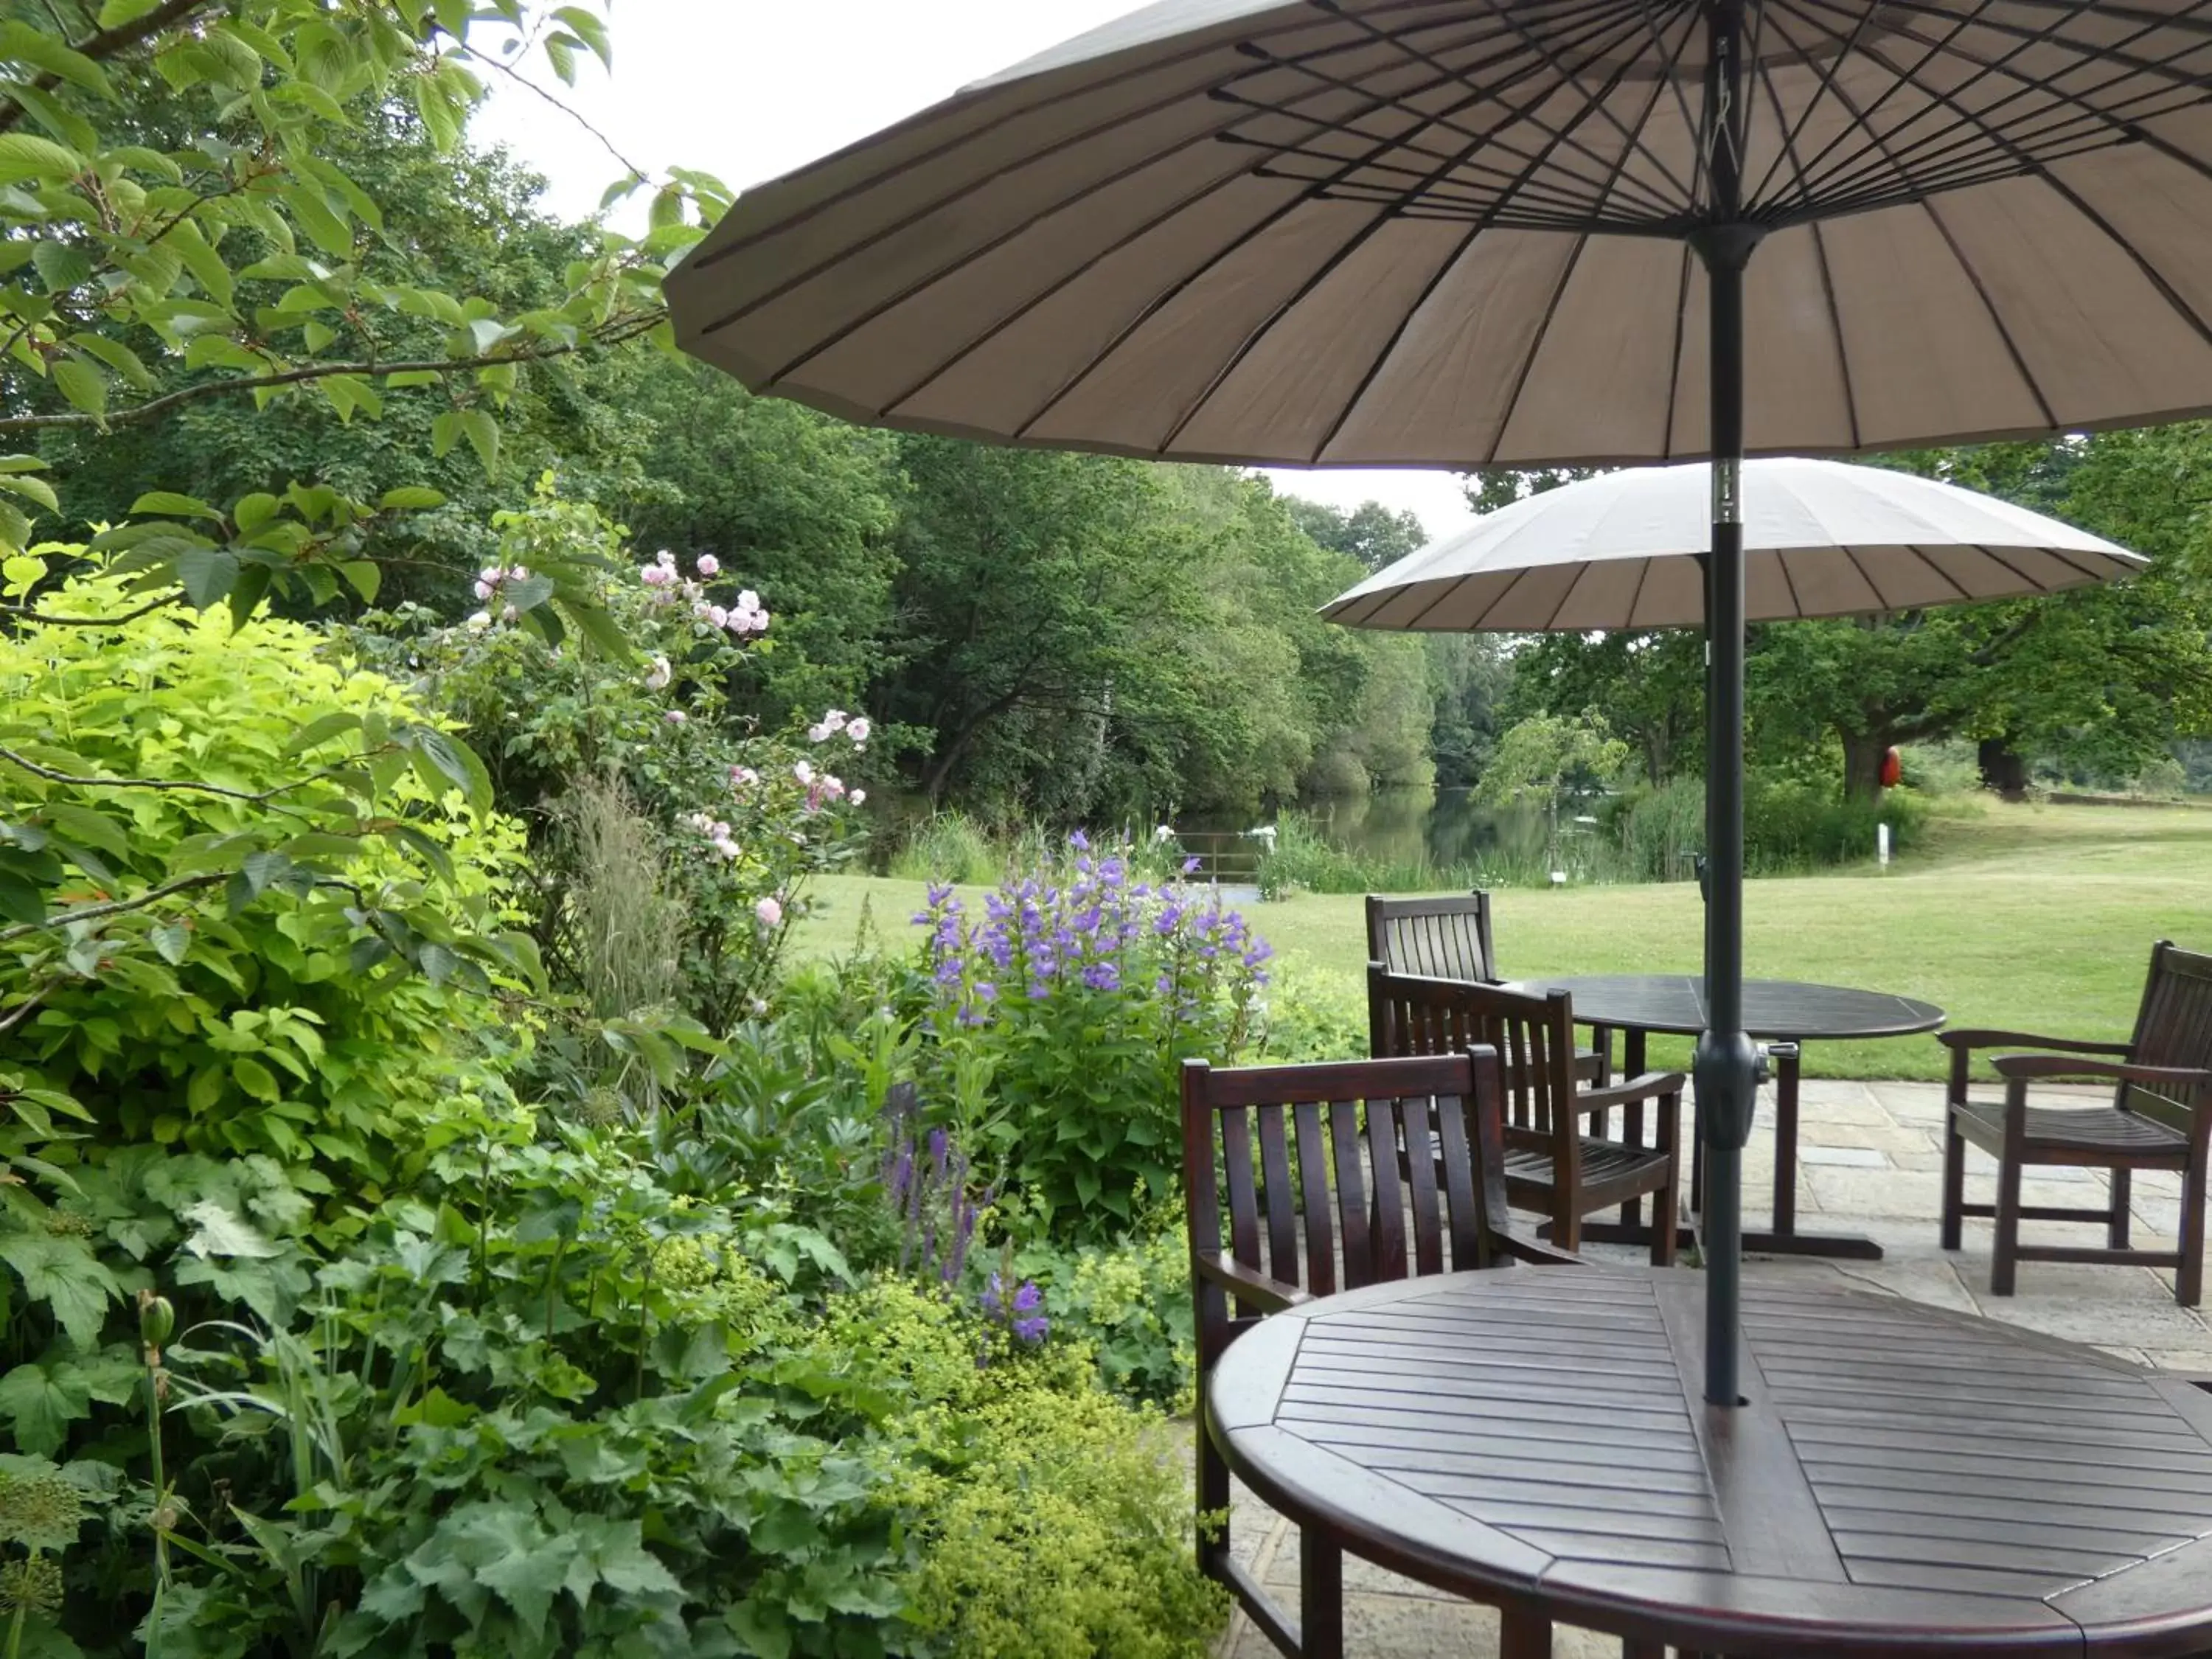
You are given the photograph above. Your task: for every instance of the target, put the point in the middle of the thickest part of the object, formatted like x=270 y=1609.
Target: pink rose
x=709 y=565
x=770 y=912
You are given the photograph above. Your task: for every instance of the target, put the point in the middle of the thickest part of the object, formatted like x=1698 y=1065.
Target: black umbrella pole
x=1726 y=1065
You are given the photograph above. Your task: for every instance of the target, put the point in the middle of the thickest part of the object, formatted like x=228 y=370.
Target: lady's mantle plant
x=1062 y=1018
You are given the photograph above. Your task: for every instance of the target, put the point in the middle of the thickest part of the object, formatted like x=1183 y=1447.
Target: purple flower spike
x=937 y=1144
x=1078 y=841
x=1027 y=1297
x=1032 y=1331
x=1102 y=977
x=1190 y=866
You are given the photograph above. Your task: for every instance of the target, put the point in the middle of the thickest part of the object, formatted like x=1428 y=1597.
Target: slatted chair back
x=1296 y=1173
x=2172 y=1027
x=1533 y=1035
x=1443 y=937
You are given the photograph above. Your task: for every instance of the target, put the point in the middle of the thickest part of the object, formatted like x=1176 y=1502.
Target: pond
x=1403 y=839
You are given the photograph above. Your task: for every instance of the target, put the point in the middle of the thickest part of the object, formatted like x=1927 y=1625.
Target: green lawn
x=2038 y=918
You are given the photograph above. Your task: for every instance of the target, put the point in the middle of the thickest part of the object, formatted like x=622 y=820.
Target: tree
x=178 y=234
x=1540 y=757
x=1372 y=533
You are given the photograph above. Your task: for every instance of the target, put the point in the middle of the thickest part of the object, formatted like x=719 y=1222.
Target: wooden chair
x=1552 y=1166
x=1319 y=1196
x=2160 y=1118
x=1447 y=936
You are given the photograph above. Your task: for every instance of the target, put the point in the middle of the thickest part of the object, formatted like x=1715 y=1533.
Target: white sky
x=746 y=90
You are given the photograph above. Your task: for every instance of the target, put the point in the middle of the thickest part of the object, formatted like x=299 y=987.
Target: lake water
x=1445 y=830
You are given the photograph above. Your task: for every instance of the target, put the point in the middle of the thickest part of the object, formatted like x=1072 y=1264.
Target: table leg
x=1320 y=1596
x=1523 y=1635
x=1783 y=1237
x=1785 y=1139
x=1632 y=1066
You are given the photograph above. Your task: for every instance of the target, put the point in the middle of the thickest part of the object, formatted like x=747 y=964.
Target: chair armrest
x=1631 y=1093
x=2023 y=1066
x=1268 y=1295
x=1535 y=1251
x=1967 y=1037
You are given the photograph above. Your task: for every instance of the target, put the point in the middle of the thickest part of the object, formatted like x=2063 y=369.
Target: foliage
x=1129 y=1300
x=250 y=908
x=182 y=230
x=1059 y=1022
x=948 y=847
x=737 y=820
x=546 y=1403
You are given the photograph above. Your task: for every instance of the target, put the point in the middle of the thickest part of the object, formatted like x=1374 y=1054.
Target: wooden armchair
x=2160 y=1118
x=1552 y=1166
x=1447 y=936
x=1319 y=1199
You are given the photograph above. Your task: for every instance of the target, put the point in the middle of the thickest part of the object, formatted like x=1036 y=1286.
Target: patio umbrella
x=1478 y=232
x=1821 y=538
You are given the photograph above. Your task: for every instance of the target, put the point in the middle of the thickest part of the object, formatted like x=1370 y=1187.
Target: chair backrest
x=1446 y=936
x=1533 y=1035
x=2172 y=1027
x=1324 y=1167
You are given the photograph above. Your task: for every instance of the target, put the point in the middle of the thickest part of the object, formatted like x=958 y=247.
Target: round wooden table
x=1901 y=1481
x=1781 y=1011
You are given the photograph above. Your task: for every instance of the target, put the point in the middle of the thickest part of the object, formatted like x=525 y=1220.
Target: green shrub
x=948 y=847
x=1060 y=1018
x=1660 y=830
x=277 y=881
x=1935 y=769
x=1790 y=825
x=1129 y=1300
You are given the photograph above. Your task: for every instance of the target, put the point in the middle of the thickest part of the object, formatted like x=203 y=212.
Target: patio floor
x=1869 y=1162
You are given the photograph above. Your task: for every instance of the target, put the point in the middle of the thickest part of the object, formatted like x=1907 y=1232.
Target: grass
x=2032 y=917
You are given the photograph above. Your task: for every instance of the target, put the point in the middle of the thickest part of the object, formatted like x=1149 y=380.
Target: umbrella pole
x=1726 y=1067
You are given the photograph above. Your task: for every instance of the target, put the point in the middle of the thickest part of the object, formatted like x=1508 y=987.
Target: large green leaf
x=63 y=1273
x=41 y=1402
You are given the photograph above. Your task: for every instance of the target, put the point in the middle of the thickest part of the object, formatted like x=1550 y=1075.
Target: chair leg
x=2007 y=1251
x=1663 y=1223
x=1320 y=1596
x=2117 y=1233
x=2189 y=1278
x=1954 y=1182
x=1567 y=1220
x=1213 y=1499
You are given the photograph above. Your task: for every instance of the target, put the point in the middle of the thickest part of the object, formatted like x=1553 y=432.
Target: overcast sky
x=747 y=90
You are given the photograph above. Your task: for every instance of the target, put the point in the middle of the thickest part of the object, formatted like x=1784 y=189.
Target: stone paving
x=1870 y=1161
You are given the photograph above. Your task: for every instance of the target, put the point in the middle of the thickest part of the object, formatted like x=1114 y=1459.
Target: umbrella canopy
x=1821 y=538
x=1453 y=233
x=1478 y=233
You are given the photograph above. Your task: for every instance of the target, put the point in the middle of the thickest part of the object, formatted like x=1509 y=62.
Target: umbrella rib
x=1159 y=302
x=1635 y=598
x=1523 y=113
x=2130 y=132
x=973 y=186
x=1398 y=334
x=1535 y=347
x=1675 y=371
x=2037 y=170
x=2164 y=68
x=1873 y=587
x=1836 y=332
x=1997 y=318
x=1414 y=622
x=1651 y=27
x=1789 y=581
x=1358 y=239
x=859 y=186
x=1951 y=581
x=2018 y=574
x=1567 y=275
x=1858 y=130
x=1824 y=75
x=2019 y=362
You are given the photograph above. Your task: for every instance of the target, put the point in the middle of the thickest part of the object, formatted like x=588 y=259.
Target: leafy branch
x=191 y=786
x=109 y=43
x=151 y=896
x=615 y=333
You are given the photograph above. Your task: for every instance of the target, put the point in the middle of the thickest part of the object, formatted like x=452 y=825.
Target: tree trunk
x=1862 y=757
x=2003 y=769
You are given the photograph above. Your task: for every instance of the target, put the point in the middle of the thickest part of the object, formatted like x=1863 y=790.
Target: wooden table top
x=1777 y=1010
x=1903 y=1480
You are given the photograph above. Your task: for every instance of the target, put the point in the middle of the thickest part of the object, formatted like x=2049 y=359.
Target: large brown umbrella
x=1475 y=232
